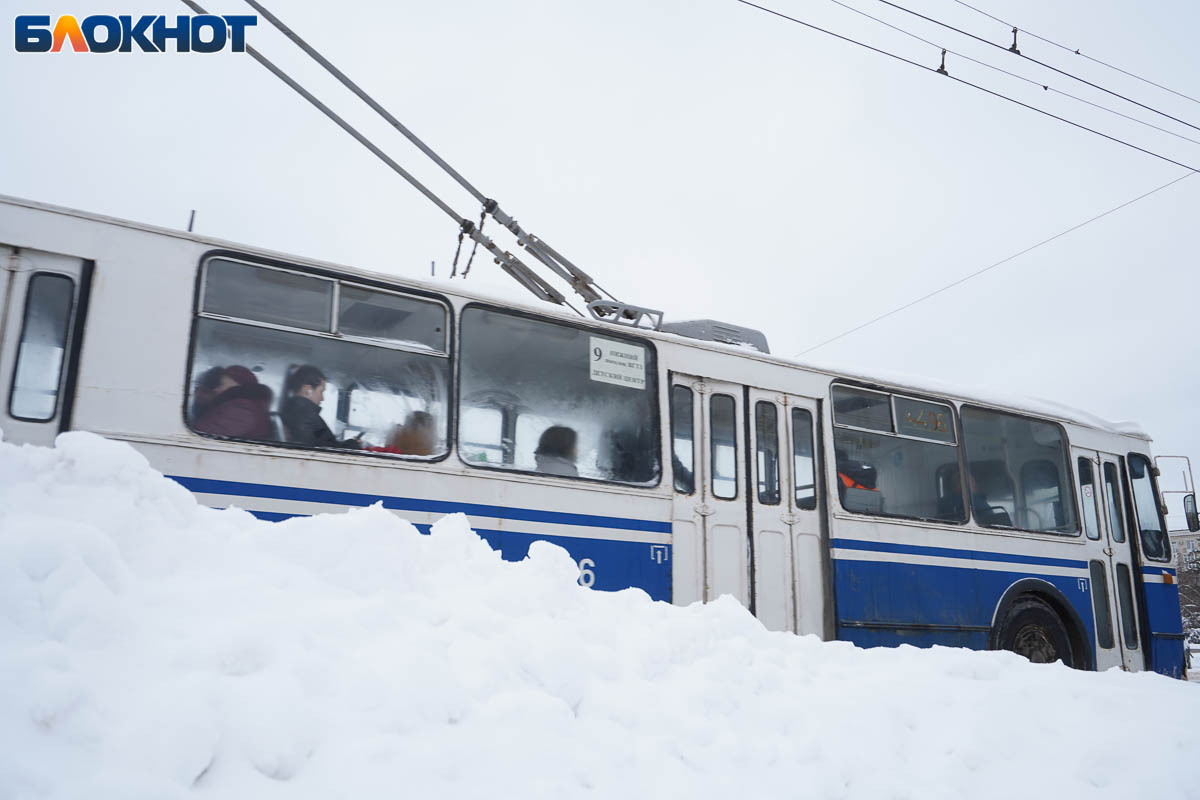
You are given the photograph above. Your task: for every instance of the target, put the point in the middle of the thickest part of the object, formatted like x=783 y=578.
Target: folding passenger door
x=40 y=331
x=1111 y=563
x=785 y=543
x=1122 y=560
x=711 y=547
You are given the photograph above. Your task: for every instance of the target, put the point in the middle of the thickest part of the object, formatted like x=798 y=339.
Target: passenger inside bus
x=857 y=484
x=621 y=456
x=300 y=411
x=229 y=401
x=416 y=437
x=556 y=451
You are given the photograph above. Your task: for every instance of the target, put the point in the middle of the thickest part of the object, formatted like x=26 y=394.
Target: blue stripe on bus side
x=1157 y=571
x=949 y=552
x=270 y=491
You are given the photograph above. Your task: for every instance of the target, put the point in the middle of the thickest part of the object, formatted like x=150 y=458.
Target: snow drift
x=153 y=648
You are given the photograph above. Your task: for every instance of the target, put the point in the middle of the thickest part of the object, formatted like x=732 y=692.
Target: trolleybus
x=687 y=464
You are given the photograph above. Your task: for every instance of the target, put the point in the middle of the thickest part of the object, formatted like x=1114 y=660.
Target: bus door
x=785 y=523
x=710 y=545
x=1155 y=577
x=41 y=323
x=1111 y=562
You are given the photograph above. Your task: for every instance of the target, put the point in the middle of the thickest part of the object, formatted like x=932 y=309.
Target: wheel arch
x=1049 y=594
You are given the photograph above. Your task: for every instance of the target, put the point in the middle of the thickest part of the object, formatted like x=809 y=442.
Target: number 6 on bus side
x=587 y=575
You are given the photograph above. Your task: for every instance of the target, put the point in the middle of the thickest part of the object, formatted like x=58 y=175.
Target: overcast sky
x=699 y=157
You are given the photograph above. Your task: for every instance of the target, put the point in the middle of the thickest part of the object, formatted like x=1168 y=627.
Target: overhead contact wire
x=991 y=267
x=966 y=82
x=1078 y=52
x=1011 y=74
x=1039 y=63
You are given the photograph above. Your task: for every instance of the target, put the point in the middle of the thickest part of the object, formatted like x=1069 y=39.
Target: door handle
x=1108 y=551
x=788 y=518
x=705 y=510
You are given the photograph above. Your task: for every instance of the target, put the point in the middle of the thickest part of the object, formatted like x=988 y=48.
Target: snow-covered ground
x=152 y=648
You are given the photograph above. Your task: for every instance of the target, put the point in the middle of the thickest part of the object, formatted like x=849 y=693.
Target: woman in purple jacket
x=230 y=401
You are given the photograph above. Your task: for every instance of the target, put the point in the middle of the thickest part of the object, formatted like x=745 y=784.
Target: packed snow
x=154 y=648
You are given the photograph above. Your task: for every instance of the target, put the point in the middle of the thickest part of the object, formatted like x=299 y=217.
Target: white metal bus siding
x=131 y=386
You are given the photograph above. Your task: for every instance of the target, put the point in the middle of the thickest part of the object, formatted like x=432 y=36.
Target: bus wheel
x=1033 y=630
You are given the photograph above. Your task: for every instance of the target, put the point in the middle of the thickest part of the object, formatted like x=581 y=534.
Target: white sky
x=700 y=157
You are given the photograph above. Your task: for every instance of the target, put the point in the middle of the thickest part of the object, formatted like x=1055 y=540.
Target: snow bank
x=151 y=648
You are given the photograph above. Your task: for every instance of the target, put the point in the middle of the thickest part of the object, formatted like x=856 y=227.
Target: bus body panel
x=623 y=540
x=927 y=605
x=945 y=590
x=1161 y=600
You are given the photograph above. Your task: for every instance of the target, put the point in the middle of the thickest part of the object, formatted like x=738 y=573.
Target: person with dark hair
x=555 y=453
x=300 y=410
x=229 y=401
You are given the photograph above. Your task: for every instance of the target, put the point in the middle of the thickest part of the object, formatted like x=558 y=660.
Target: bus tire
x=1032 y=629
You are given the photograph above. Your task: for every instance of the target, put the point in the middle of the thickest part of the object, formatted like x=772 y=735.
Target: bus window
x=245 y=291
x=858 y=408
x=1087 y=488
x=280 y=372
x=373 y=314
x=1149 y=518
x=766 y=432
x=1104 y=628
x=1112 y=495
x=1125 y=598
x=1005 y=451
x=43 y=343
x=563 y=400
x=683 y=440
x=803 y=460
x=899 y=467
x=1042 y=495
x=722 y=427
x=993 y=494
x=480 y=433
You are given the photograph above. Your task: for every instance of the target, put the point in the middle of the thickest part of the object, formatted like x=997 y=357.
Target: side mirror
x=1189 y=508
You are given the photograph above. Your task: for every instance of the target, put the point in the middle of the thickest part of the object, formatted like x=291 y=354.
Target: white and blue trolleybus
x=689 y=464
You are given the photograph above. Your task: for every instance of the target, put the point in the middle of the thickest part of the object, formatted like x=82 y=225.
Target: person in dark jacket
x=300 y=410
x=229 y=401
